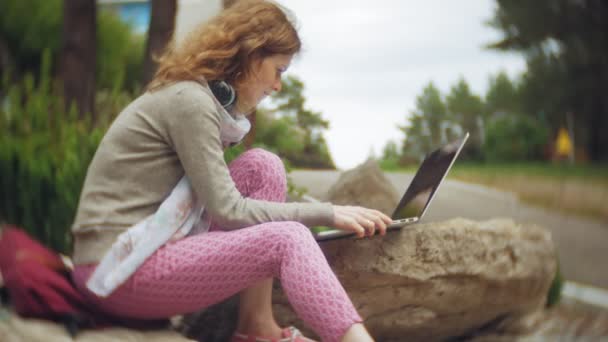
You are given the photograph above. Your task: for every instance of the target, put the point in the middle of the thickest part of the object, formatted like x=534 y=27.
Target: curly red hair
x=225 y=47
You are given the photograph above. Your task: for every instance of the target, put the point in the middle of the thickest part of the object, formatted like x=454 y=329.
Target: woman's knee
x=289 y=232
x=260 y=170
x=258 y=158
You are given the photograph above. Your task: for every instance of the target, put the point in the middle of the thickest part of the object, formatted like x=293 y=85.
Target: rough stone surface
x=570 y=320
x=458 y=278
x=16 y=329
x=439 y=280
x=366 y=186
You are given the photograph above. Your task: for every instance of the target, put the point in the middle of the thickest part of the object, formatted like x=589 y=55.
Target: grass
x=576 y=189
x=595 y=173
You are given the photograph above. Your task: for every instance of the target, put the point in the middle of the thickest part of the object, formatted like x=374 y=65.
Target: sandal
x=289 y=334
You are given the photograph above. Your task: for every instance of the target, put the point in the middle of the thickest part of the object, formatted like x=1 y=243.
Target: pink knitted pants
x=199 y=271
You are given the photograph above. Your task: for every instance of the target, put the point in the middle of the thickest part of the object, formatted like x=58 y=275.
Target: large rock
x=366 y=186
x=439 y=280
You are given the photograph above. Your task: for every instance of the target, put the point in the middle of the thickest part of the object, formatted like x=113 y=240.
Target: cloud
x=364 y=62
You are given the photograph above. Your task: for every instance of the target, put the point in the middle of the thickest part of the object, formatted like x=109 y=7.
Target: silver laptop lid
x=427 y=180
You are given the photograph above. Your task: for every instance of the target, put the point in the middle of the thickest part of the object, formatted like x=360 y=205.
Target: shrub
x=44 y=154
x=389 y=164
x=514 y=138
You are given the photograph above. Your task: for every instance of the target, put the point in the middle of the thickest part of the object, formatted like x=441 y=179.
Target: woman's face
x=265 y=78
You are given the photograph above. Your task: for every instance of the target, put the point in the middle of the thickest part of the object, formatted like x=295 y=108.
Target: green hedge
x=514 y=138
x=44 y=153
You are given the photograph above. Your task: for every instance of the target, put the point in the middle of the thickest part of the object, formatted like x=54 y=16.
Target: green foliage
x=292 y=130
x=232 y=153
x=390 y=151
x=567 y=68
x=466 y=110
x=29 y=27
x=555 y=291
x=543 y=93
x=502 y=95
x=514 y=138
x=426 y=128
x=556 y=172
x=33 y=26
x=497 y=132
x=390 y=156
x=120 y=53
x=290 y=102
x=431 y=107
x=280 y=133
x=389 y=164
x=44 y=154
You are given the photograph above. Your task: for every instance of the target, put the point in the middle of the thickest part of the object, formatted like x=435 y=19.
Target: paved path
x=582 y=243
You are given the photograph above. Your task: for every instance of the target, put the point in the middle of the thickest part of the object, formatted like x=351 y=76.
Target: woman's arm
x=194 y=132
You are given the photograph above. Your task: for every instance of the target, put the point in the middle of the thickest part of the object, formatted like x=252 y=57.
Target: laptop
x=419 y=194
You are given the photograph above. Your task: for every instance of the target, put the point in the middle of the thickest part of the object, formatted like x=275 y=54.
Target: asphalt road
x=582 y=243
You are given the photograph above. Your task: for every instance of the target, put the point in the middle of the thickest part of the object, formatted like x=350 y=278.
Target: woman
x=178 y=128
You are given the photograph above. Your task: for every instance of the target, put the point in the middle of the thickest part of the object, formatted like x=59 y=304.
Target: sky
x=364 y=63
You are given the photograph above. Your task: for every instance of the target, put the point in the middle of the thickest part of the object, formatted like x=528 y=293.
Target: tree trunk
x=160 y=33
x=78 y=54
x=6 y=58
x=598 y=125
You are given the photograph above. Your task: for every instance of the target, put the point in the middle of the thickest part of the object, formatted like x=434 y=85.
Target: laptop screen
x=427 y=180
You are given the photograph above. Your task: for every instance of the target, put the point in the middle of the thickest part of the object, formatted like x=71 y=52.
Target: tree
x=119 y=50
x=290 y=104
x=466 y=109
x=571 y=39
x=23 y=40
x=502 y=96
x=78 y=54
x=7 y=63
x=160 y=33
x=290 y=101
x=390 y=151
x=428 y=125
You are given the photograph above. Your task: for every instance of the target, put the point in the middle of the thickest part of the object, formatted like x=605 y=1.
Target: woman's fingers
x=377 y=220
x=385 y=219
x=358 y=228
x=380 y=225
x=370 y=227
x=369 y=224
x=362 y=221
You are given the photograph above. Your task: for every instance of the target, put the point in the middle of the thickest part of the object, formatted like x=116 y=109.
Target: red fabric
x=40 y=286
x=36 y=279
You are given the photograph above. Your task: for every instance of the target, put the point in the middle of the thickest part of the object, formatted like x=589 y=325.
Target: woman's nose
x=277 y=85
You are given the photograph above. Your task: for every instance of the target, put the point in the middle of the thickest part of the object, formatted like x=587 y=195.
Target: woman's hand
x=362 y=221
